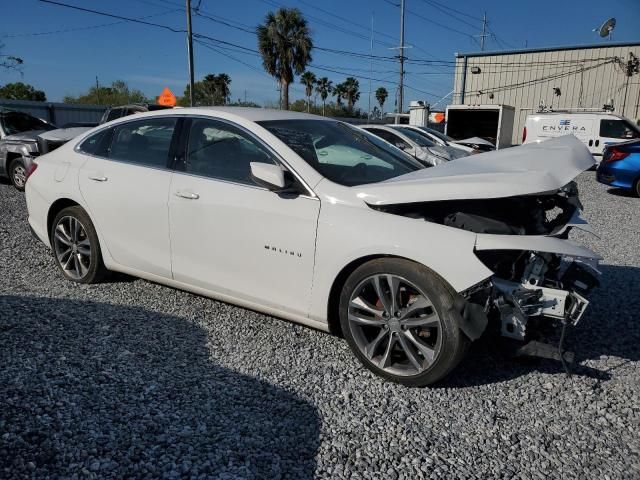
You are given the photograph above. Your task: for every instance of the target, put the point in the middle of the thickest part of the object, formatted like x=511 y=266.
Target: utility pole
x=632 y=66
x=190 y=52
x=370 y=68
x=484 y=31
x=98 y=89
x=401 y=85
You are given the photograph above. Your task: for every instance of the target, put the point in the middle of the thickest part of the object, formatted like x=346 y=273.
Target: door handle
x=187 y=195
x=98 y=178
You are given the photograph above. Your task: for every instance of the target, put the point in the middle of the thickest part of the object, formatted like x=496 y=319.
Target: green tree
x=351 y=92
x=308 y=79
x=324 y=87
x=340 y=92
x=118 y=93
x=381 y=96
x=22 y=91
x=211 y=90
x=285 y=43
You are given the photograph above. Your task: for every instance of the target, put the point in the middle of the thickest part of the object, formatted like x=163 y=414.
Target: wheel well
x=55 y=208
x=333 y=308
x=8 y=159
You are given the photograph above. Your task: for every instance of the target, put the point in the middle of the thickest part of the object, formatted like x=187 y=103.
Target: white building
x=575 y=77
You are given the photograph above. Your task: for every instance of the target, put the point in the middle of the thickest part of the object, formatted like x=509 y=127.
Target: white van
x=595 y=129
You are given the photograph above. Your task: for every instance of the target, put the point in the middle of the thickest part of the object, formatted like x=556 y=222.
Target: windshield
x=342 y=153
x=440 y=135
x=17 y=122
x=416 y=136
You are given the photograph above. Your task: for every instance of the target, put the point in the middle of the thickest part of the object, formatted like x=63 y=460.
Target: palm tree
x=324 y=87
x=339 y=92
x=285 y=44
x=223 y=83
x=351 y=92
x=308 y=79
x=381 y=96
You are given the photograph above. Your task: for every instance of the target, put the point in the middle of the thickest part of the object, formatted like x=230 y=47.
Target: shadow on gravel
x=609 y=328
x=620 y=192
x=92 y=389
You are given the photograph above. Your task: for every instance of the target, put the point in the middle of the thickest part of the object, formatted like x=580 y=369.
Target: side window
x=146 y=142
x=617 y=129
x=220 y=150
x=97 y=143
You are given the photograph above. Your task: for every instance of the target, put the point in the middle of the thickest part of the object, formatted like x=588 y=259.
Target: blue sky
x=64 y=49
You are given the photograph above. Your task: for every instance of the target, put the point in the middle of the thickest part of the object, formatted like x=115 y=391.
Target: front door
x=231 y=236
x=125 y=183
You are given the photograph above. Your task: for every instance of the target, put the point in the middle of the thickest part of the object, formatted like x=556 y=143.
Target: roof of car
x=247 y=113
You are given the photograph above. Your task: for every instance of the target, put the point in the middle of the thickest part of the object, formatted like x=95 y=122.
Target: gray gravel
x=132 y=379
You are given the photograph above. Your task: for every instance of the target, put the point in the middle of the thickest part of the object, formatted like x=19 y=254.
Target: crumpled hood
x=524 y=170
x=28 y=136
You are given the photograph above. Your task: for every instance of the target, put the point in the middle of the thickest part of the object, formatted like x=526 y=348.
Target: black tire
x=17 y=172
x=636 y=188
x=453 y=342
x=93 y=269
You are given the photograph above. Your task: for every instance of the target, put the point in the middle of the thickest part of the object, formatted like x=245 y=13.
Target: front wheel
x=75 y=246
x=18 y=174
x=398 y=319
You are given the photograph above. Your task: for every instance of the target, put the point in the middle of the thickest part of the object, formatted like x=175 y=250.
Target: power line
x=444 y=9
x=77 y=29
x=428 y=20
x=112 y=15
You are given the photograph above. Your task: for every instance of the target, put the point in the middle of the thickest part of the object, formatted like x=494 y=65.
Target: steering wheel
x=358 y=170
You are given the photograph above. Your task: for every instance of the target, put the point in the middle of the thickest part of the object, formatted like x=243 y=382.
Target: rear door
x=125 y=183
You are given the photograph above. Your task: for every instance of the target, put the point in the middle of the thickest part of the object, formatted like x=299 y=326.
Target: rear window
x=618 y=129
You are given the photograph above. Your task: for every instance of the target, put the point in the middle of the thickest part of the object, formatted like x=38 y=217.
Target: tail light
x=30 y=169
x=613 y=154
x=524 y=134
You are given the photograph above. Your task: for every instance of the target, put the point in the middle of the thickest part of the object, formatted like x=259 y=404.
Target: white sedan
x=318 y=222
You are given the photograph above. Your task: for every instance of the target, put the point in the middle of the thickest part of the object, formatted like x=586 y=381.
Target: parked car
x=113 y=113
x=595 y=129
x=620 y=166
x=472 y=145
x=259 y=208
x=447 y=152
x=18 y=143
x=419 y=148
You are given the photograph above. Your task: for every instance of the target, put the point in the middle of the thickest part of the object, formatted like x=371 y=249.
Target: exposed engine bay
x=529 y=288
x=540 y=214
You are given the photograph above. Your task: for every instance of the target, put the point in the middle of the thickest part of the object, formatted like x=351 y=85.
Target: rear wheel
x=18 y=173
x=75 y=246
x=397 y=317
x=636 y=188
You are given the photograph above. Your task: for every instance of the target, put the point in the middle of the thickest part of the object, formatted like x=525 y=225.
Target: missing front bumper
x=517 y=303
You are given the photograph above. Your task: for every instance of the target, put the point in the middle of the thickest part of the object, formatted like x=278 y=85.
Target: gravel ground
x=132 y=379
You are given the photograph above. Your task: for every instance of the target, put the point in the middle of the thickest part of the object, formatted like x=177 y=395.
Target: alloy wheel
x=395 y=325
x=19 y=176
x=72 y=247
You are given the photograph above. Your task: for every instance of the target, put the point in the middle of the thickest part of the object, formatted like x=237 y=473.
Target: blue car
x=620 y=166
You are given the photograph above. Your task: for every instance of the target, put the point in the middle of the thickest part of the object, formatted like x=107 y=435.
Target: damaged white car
x=315 y=221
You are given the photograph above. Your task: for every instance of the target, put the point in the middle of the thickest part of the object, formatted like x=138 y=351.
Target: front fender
x=346 y=234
